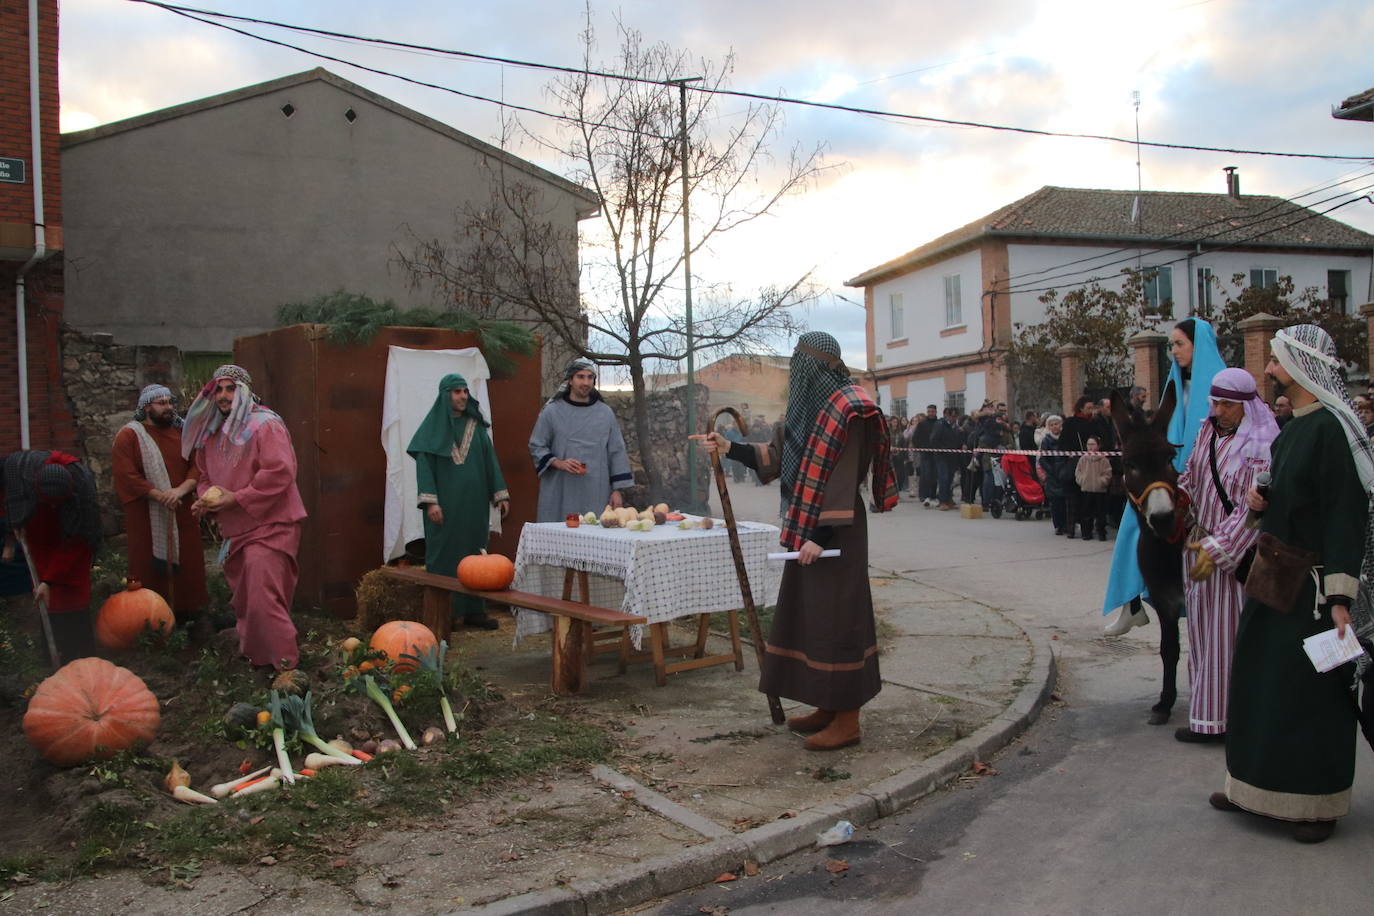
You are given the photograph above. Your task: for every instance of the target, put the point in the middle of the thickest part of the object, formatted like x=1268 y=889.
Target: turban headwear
x=1258 y=428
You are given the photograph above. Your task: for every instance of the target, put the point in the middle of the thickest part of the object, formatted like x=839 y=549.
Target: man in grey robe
x=578 y=450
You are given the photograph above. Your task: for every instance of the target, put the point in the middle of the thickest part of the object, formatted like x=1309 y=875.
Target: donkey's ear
x=1165 y=410
x=1121 y=414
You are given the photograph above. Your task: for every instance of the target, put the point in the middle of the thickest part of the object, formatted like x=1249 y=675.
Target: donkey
x=1151 y=483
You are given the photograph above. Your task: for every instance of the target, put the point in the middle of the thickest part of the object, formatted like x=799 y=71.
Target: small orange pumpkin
x=126 y=614
x=90 y=709
x=402 y=637
x=486 y=572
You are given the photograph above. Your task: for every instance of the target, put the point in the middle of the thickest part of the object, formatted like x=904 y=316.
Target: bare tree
x=510 y=258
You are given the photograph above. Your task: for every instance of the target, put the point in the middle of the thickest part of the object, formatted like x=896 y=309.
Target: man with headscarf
x=51 y=502
x=458 y=481
x=1230 y=450
x=578 y=451
x=248 y=484
x=823 y=648
x=152 y=479
x=1290 y=740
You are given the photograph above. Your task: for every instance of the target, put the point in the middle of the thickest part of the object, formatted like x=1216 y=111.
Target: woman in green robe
x=458 y=481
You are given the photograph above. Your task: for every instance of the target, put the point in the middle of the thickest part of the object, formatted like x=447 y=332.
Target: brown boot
x=842 y=732
x=811 y=723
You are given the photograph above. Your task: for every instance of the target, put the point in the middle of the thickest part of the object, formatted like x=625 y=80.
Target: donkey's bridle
x=1175 y=496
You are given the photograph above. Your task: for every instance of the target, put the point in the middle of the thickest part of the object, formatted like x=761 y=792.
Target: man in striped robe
x=1236 y=444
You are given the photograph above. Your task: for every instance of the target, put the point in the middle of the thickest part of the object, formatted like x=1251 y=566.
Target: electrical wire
x=1181 y=235
x=196 y=14
x=1229 y=246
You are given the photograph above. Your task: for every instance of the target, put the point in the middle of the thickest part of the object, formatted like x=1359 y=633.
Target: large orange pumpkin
x=90 y=709
x=486 y=572
x=126 y=614
x=402 y=637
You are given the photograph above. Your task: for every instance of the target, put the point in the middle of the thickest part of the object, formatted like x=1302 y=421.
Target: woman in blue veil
x=1194 y=360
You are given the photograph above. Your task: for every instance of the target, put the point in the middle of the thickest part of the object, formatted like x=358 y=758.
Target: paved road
x=1093 y=811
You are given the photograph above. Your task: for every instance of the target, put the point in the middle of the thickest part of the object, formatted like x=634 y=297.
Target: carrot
x=253 y=782
x=305 y=772
x=361 y=755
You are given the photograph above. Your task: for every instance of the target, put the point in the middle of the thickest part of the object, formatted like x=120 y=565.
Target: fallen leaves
x=836 y=866
x=983 y=769
x=726 y=878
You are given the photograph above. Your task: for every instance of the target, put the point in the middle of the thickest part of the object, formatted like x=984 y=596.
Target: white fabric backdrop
x=412 y=381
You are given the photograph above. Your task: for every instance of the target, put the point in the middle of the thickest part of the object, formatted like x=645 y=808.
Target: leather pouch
x=1279 y=573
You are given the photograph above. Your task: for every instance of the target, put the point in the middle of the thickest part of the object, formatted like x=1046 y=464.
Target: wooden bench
x=574 y=640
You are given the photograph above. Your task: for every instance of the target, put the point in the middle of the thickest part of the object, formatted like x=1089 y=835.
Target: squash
x=662 y=507
x=242 y=715
x=90 y=709
x=486 y=572
x=402 y=637
x=126 y=614
x=609 y=519
x=293 y=681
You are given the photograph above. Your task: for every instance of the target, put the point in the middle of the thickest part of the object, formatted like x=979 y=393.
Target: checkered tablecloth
x=660 y=574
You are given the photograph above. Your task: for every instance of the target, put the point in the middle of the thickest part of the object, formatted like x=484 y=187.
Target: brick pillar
x=1257 y=331
x=1071 y=374
x=1145 y=355
x=1367 y=311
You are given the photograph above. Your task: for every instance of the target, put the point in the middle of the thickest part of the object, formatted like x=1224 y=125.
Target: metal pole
x=687 y=301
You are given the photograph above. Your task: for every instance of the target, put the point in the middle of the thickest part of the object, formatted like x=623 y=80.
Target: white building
x=938 y=315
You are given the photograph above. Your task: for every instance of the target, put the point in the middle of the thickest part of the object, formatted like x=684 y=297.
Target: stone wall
x=103 y=380
x=668 y=431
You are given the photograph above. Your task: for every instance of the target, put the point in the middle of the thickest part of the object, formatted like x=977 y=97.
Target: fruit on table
x=662 y=507
x=486 y=572
x=399 y=637
x=589 y=519
x=90 y=709
x=609 y=519
x=126 y=614
x=707 y=523
x=675 y=516
x=686 y=525
x=660 y=517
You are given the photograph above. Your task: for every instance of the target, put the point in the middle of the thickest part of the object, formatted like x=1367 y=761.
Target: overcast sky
x=1257 y=74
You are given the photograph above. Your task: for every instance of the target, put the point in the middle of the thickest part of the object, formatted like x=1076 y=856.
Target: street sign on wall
x=12 y=170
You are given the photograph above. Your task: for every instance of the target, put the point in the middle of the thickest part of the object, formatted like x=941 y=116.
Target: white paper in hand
x=1328 y=651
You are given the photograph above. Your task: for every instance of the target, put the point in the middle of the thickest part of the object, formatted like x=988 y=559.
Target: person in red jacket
x=51 y=502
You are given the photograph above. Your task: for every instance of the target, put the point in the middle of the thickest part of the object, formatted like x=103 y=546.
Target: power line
x=1182 y=235
x=188 y=13
x=196 y=14
x=1229 y=246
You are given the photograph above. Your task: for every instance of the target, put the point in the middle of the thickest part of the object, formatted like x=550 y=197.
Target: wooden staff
x=34 y=582
x=774 y=704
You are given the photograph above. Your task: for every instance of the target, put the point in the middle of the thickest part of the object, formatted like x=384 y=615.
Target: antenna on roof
x=1139 y=184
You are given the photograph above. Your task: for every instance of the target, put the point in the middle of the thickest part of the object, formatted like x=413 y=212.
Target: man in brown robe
x=152 y=480
x=823 y=648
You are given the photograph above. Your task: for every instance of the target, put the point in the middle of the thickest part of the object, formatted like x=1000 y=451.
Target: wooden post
x=1071 y=374
x=1257 y=331
x=1367 y=311
x=1145 y=356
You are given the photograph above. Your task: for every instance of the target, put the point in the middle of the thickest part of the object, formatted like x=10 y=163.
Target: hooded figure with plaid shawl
x=823 y=649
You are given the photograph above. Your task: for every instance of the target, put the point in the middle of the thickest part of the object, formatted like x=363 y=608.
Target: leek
x=300 y=718
x=278 y=722
x=430 y=662
x=379 y=697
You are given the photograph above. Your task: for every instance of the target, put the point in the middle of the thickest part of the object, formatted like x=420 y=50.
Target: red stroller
x=1023 y=496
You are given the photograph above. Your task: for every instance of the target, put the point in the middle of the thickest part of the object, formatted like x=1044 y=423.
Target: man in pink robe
x=1231 y=449
x=248 y=483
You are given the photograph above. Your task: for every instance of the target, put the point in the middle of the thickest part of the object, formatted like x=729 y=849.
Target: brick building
x=30 y=237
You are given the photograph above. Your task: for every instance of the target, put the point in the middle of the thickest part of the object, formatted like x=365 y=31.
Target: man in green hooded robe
x=458 y=481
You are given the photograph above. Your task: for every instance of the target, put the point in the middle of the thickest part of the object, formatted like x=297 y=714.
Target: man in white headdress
x=1290 y=741
x=1230 y=450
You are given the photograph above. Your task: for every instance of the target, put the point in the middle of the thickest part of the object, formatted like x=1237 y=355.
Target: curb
x=701 y=864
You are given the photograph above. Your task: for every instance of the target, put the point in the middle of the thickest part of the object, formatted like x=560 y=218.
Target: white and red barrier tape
x=1051 y=453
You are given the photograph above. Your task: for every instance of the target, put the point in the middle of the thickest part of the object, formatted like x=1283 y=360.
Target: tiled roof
x=1356 y=108
x=1177 y=218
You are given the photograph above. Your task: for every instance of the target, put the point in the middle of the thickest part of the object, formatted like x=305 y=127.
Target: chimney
x=1232 y=180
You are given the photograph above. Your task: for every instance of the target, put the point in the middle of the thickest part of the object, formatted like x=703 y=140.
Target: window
x=1338 y=290
x=954 y=303
x=894 y=308
x=1264 y=277
x=898 y=407
x=1205 y=291
x=1159 y=290
x=955 y=399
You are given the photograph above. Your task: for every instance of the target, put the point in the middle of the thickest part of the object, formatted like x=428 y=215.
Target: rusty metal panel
x=331 y=399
